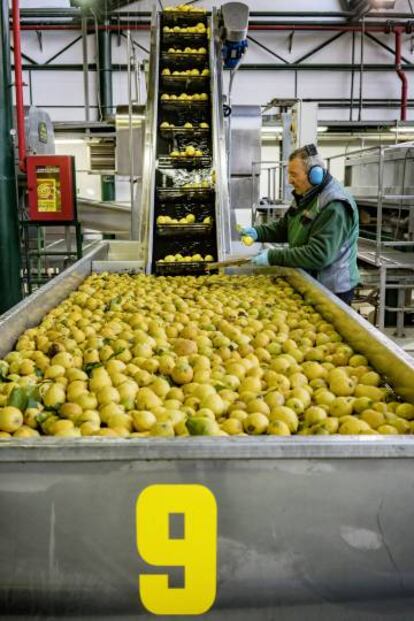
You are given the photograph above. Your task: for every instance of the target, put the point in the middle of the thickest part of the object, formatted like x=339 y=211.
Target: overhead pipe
x=105 y=98
x=253 y=25
x=259 y=27
x=401 y=74
x=319 y=27
x=75 y=13
x=18 y=85
x=90 y=28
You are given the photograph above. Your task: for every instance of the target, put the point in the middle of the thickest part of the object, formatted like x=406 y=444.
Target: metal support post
x=134 y=206
x=400 y=312
x=104 y=53
x=381 y=297
x=380 y=201
x=9 y=228
x=85 y=66
x=361 y=72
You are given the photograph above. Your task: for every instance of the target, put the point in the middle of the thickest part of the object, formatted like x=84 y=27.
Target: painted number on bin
x=193 y=548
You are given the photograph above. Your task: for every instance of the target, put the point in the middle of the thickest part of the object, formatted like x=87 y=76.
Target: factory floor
x=406 y=342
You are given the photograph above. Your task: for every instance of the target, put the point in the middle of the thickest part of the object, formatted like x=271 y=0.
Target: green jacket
x=322 y=238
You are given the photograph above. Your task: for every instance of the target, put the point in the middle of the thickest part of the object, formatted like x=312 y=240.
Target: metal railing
x=382 y=196
x=270 y=173
x=385 y=253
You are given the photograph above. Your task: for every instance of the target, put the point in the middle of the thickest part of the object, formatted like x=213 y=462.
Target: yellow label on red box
x=46 y=194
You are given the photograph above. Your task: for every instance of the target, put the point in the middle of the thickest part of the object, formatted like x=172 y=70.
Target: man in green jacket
x=321 y=227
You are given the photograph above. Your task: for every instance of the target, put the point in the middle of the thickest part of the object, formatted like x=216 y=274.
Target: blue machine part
x=233 y=52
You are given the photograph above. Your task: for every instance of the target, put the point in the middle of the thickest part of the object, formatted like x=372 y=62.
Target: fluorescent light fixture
x=383 y=4
x=69 y=141
x=272 y=129
x=403 y=129
x=278 y=129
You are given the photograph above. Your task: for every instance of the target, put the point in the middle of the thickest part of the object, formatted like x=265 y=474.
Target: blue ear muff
x=316 y=175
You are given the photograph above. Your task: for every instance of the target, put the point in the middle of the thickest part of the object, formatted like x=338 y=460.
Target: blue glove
x=249 y=231
x=261 y=259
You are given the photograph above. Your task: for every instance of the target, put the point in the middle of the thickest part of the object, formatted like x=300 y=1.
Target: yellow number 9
x=196 y=551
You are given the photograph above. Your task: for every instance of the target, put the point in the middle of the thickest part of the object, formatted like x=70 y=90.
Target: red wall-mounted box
x=52 y=189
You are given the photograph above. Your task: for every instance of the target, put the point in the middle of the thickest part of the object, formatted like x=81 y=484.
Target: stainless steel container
x=307 y=527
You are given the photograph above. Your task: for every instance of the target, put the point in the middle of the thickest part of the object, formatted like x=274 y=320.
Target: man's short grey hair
x=309 y=160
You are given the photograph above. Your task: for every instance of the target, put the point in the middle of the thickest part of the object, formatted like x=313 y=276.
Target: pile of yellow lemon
x=179 y=258
x=143 y=356
x=188 y=219
x=184 y=8
x=187 y=50
x=167 y=125
x=184 y=97
x=199 y=28
x=189 y=151
x=186 y=72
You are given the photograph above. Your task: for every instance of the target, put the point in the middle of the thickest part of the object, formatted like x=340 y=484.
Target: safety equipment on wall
x=316 y=172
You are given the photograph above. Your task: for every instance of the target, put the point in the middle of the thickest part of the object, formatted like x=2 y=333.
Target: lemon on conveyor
x=203 y=96
x=205 y=72
x=165 y=97
x=190 y=151
x=204 y=126
x=195 y=72
x=175 y=154
x=190 y=218
x=166 y=72
x=188 y=125
x=164 y=125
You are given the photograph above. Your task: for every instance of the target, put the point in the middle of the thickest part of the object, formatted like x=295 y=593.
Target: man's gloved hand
x=261 y=259
x=249 y=231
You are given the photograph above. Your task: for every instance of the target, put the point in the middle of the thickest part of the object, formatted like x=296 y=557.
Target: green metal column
x=10 y=260
x=106 y=95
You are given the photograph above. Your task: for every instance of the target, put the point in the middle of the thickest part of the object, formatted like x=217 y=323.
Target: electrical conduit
x=18 y=84
x=401 y=74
